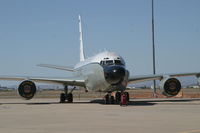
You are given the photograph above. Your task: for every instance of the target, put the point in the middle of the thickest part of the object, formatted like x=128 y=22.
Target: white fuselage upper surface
x=103 y=56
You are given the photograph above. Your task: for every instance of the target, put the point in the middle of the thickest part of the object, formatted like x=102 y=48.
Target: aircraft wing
x=56 y=67
x=64 y=81
x=142 y=78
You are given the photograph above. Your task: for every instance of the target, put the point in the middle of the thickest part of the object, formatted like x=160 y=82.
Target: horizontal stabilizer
x=56 y=67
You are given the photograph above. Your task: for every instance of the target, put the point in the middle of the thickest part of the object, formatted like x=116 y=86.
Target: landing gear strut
x=66 y=96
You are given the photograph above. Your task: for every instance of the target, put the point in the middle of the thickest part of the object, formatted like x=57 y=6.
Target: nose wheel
x=117 y=97
x=121 y=98
x=109 y=99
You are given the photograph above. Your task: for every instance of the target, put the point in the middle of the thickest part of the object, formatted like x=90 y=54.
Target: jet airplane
x=105 y=71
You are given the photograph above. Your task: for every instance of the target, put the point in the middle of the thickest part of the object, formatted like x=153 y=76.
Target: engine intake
x=27 y=89
x=170 y=86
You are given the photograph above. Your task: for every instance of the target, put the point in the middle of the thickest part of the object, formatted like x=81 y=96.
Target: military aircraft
x=105 y=71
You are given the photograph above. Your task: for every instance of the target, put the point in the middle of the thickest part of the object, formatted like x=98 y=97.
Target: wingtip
x=39 y=65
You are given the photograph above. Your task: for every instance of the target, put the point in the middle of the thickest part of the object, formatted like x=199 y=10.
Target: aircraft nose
x=114 y=74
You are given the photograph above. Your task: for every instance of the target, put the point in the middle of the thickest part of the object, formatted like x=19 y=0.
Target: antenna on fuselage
x=82 y=54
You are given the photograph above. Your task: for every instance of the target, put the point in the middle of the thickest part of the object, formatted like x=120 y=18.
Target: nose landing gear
x=121 y=98
x=109 y=99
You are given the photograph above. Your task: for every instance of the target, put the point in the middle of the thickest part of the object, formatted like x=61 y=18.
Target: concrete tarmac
x=141 y=116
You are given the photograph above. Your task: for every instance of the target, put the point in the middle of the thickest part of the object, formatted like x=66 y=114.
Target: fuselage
x=105 y=71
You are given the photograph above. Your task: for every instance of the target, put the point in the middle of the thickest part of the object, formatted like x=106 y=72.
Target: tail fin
x=82 y=54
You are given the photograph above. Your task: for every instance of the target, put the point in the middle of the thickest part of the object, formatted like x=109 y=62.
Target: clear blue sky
x=46 y=31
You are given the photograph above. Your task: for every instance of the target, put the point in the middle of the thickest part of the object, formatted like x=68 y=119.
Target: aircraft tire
x=118 y=97
x=127 y=96
x=106 y=99
x=62 y=97
x=70 y=98
x=112 y=100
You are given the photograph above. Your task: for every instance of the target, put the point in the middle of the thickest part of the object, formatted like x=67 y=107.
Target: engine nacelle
x=170 y=86
x=27 y=89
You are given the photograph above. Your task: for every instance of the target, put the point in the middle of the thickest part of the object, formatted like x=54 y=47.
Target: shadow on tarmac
x=151 y=102
x=137 y=102
x=131 y=103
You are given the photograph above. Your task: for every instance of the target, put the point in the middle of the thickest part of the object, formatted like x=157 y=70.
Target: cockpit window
x=102 y=63
x=109 y=62
x=118 y=62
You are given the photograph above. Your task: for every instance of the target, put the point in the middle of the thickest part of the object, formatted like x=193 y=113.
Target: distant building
x=193 y=86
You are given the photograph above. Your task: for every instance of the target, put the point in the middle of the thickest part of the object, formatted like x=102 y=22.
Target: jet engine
x=27 y=89
x=170 y=86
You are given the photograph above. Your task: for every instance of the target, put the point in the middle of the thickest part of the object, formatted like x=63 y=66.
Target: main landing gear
x=66 y=96
x=119 y=98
